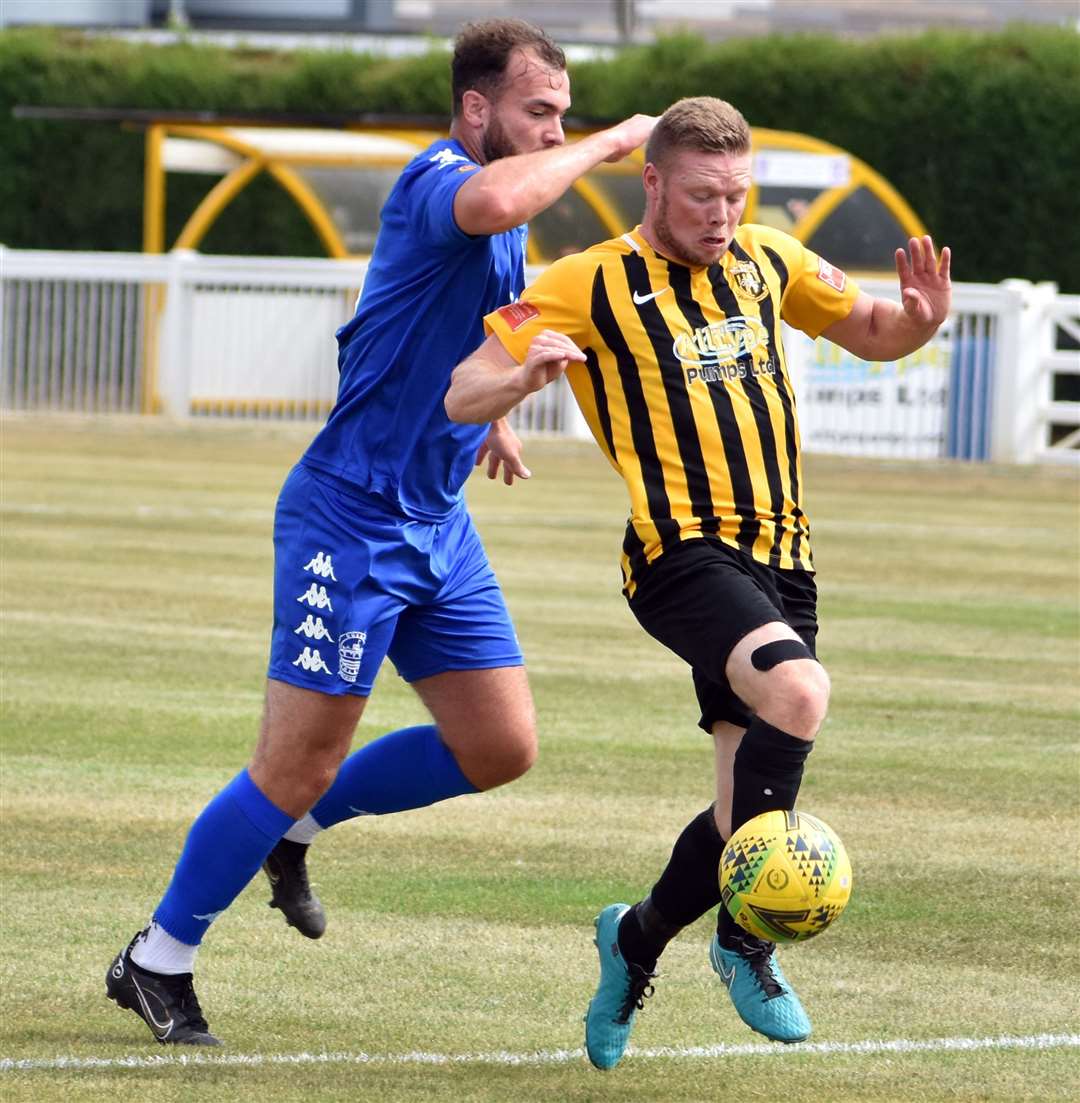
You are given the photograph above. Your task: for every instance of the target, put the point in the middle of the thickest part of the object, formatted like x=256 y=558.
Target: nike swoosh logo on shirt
x=639 y=299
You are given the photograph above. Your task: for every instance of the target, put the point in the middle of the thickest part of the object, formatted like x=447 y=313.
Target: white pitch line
x=541 y=1057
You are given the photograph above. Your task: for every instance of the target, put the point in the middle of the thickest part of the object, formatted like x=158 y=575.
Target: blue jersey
x=420 y=314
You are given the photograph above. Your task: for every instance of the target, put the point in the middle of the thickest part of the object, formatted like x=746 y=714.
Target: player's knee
x=519 y=760
x=520 y=749
x=799 y=698
x=313 y=782
x=505 y=758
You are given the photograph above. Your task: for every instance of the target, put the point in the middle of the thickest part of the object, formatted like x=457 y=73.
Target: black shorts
x=701 y=597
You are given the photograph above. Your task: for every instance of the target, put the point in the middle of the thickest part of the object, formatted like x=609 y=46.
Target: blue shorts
x=353 y=584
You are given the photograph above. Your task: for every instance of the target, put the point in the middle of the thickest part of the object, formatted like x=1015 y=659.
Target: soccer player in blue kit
x=375 y=554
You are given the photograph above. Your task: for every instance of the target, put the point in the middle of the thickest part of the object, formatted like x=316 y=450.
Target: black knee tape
x=769 y=655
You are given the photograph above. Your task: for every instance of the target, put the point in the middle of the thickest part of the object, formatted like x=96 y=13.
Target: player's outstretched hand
x=925 y=287
x=502 y=446
x=548 y=357
x=629 y=134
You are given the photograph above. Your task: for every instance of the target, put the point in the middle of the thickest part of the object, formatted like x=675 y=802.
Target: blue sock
x=223 y=851
x=410 y=768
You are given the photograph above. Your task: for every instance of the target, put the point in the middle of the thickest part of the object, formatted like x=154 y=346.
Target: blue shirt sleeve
x=429 y=198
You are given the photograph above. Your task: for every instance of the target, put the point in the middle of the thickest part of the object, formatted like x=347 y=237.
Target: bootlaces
x=181 y=989
x=758 y=954
x=641 y=988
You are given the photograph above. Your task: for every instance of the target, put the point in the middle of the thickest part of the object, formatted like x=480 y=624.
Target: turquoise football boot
x=758 y=988
x=621 y=993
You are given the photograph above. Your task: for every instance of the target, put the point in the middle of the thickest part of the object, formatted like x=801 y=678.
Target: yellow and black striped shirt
x=686 y=385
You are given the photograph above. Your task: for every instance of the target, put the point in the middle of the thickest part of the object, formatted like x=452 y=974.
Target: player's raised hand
x=548 y=357
x=925 y=287
x=629 y=134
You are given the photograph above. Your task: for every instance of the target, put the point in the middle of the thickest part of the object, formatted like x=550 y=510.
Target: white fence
x=248 y=337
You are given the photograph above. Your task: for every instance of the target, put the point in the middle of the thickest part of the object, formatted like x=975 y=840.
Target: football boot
x=757 y=986
x=286 y=869
x=621 y=993
x=166 y=1003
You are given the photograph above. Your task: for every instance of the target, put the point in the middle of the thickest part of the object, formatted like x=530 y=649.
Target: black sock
x=643 y=934
x=686 y=890
x=727 y=929
x=768 y=771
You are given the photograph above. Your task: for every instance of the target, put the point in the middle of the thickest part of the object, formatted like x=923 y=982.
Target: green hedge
x=977 y=132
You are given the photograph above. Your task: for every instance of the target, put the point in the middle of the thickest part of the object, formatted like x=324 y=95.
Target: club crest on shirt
x=748 y=281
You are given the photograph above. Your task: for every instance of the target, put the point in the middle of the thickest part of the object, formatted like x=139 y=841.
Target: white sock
x=158 y=952
x=304 y=830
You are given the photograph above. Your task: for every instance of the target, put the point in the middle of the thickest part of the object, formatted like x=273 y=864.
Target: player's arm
x=877 y=329
x=512 y=190
x=488 y=384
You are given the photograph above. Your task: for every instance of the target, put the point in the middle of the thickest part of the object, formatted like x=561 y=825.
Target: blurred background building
x=593 y=21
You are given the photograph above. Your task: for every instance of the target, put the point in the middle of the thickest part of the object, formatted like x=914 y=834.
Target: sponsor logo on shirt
x=725 y=351
x=722 y=342
x=830 y=275
x=515 y=315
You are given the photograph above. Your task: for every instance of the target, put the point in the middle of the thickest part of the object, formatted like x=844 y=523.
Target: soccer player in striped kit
x=670 y=339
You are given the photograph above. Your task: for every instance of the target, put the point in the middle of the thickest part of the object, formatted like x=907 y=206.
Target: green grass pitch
x=136 y=571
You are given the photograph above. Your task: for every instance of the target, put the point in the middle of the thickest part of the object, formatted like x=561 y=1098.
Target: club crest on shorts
x=350 y=652
x=748 y=280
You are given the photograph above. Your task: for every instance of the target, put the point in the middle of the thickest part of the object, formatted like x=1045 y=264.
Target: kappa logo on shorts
x=350 y=652
x=314 y=629
x=322 y=565
x=310 y=659
x=316 y=597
